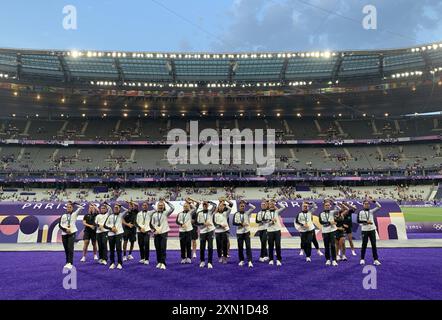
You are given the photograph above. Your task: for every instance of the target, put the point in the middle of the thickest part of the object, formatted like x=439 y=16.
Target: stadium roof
x=193 y=70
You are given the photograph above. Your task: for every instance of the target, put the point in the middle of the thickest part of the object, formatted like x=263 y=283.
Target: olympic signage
x=37 y=222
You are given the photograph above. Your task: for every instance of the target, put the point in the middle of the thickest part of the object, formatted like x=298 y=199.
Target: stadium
x=95 y=127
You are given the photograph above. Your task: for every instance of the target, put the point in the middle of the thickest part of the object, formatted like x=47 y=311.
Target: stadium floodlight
x=15 y=93
x=74 y=54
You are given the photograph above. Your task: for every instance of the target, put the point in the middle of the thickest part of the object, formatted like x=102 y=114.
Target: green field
x=422 y=214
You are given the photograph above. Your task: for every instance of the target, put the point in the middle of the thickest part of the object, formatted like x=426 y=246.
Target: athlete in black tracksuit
x=90 y=232
x=221 y=221
x=130 y=230
x=262 y=231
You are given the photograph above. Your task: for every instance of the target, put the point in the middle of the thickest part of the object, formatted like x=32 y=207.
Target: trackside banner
x=37 y=222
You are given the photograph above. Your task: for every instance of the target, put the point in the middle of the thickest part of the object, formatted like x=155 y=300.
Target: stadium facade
x=350 y=117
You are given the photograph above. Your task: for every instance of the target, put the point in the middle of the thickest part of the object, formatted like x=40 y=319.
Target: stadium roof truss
x=165 y=69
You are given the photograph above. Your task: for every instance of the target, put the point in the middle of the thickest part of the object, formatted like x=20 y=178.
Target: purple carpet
x=404 y=274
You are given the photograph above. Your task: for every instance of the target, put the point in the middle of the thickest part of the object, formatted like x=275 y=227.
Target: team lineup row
x=115 y=227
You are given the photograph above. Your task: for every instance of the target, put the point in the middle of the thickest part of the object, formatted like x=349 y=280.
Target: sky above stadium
x=219 y=26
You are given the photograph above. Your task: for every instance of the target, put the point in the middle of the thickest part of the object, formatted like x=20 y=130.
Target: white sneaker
x=104 y=262
x=344 y=258
x=209 y=266
x=146 y=262
x=112 y=266
x=119 y=267
x=183 y=261
x=334 y=263
x=124 y=258
x=220 y=260
x=266 y=259
x=163 y=266
x=202 y=264
x=301 y=253
x=250 y=264
x=241 y=263
x=377 y=263
x=158 y=265
x=308 y=259
x=353 y=253
x=261 y=260
x=278 y=263
x=95 y=257
x=68 y=266
x=362 y=262
x=320 y=253
x=188 y=260
x=271 y=262
x=327 y=263
x=339 y=253
x=83 y=259
x=338 y=258
x=194 y=255
x=142 y=261
x=130 y=257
